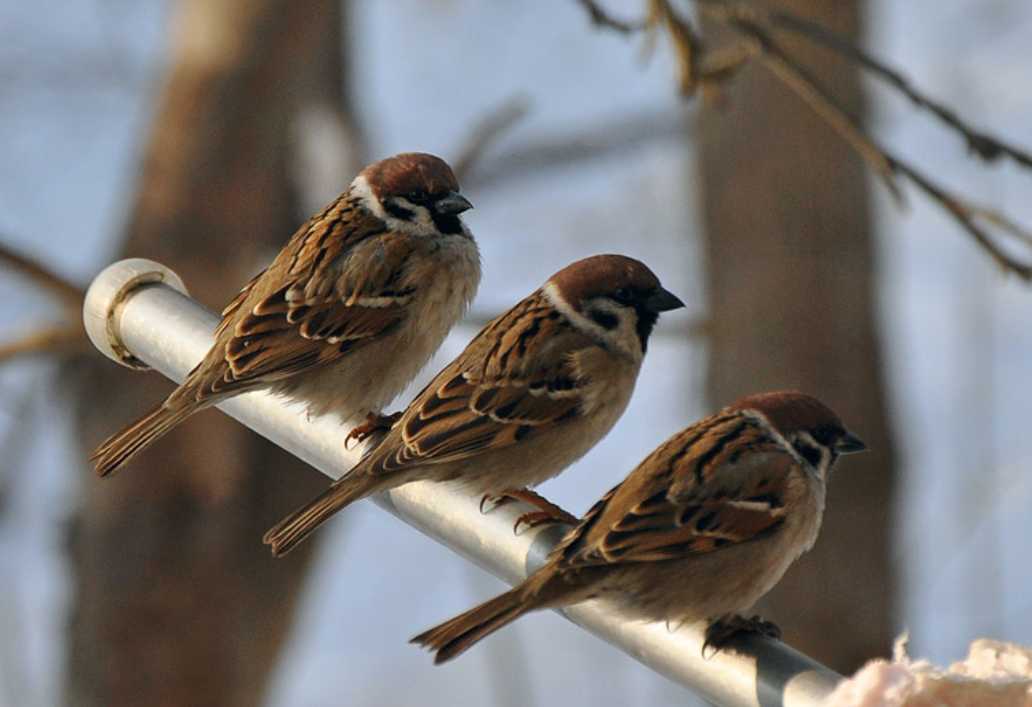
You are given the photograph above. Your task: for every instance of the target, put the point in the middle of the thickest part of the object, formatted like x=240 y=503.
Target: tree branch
x=601 y=18
x=966 y=214
x=52 y=340
x=884 y=164
x=68 y=293
x=986 y=146
x=755 y=27
x=487 y=131
x=57 y=339
x=821 y=102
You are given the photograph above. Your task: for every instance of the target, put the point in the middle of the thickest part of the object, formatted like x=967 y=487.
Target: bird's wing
x=693 y=495
x=339 y=289
x=517 y=378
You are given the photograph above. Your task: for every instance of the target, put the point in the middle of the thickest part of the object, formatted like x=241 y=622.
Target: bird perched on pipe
x=533 y=391
x=700 y=530
x=347 y=313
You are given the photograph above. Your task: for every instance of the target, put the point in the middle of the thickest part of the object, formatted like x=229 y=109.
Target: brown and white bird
x=701 y=529
x=533 y=391
x=347 y=313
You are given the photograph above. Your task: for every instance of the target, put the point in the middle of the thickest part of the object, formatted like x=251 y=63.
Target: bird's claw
x=720 y=632
x=374 y=422
x=547 y=512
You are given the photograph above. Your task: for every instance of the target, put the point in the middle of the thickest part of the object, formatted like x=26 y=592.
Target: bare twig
x=601 y=18
x=67 y=292
x=686 y=42
x=805 y=85
x=986 y=146
x=755 y=27
x=61 y=338
x=966 y=214
x=487 y=131
x=706 y=72
x=600 y=141
x=884 y=164
x=1002 y=222
x=54 y=340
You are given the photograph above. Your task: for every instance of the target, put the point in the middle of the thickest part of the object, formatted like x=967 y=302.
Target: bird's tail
x=453 y=637
x=125 y=444
x=299 y=525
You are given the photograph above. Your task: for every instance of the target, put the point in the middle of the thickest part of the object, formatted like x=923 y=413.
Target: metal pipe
x=137 y=312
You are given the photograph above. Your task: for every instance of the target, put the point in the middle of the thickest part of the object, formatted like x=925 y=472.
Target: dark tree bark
x=178 y=602
x=789 y=246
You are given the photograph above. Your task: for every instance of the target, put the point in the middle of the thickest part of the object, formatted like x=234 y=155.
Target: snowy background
x=77 y=81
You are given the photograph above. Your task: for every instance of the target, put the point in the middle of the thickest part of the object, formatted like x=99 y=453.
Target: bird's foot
x=547 y=512
x=374 y=423
x=720 y=632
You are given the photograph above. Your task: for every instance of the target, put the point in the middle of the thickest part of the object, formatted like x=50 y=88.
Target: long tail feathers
x=453 y=637
x=299 y=525
x=125 y=444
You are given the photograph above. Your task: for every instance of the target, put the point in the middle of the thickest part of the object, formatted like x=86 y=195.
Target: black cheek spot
x=808 y=452
x=396 y=210
x=606 y=320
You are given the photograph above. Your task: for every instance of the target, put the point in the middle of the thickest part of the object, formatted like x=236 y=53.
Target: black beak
x=663 y=301
x=452 y=204
x=849 y=443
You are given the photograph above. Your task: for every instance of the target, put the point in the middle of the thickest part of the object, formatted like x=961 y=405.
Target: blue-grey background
x=78 y=80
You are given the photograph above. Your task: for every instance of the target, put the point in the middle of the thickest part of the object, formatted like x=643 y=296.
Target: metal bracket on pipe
x=137 y=313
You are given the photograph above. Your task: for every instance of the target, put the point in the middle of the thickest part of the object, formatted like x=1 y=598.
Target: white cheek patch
x=421 y=222
x=821 y=467
x=556 y=300
x=773 y=433
x=624 y=336
x=363 y=194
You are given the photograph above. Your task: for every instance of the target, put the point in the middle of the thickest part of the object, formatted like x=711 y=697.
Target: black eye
x=826 y=434
x=623 y=294
x=418 y=196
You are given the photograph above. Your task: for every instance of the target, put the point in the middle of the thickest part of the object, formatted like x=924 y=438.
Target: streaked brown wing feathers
x=343 y=288
x=682 y=516
x=513 y=380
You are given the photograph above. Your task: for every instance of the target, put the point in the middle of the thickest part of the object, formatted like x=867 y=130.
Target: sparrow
x=700 y=530
x=346 y=314
x=531 y=393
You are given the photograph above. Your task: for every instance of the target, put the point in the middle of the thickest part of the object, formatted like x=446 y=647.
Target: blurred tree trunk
x=789 y=249
x=179 y=603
